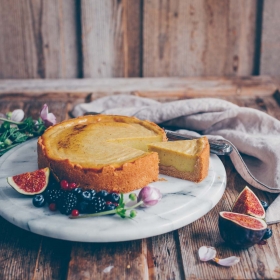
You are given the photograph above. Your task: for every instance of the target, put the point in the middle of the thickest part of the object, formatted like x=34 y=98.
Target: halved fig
x=241 y=230
x=30 y=183
x=248 y=203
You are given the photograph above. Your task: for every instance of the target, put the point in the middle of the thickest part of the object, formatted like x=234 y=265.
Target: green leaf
x=4 y=136
x=20 y=137
x=5 y=126
x=40 y=121
x=27 y=125
x=121 y=212
x=121 y=202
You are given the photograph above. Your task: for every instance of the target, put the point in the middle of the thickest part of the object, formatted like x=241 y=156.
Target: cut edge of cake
x=200 y=167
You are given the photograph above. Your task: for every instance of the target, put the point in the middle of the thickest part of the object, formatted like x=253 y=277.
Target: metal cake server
x=218 y=147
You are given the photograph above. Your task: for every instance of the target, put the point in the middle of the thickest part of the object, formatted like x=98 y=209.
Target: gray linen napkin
x=253 y=133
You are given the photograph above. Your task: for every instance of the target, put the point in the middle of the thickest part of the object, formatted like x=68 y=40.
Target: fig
x=30 y=183
x=248 y=203
x=241 y=230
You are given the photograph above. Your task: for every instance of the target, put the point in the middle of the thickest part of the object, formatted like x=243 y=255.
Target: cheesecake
x=184 y=159
x=102 y=152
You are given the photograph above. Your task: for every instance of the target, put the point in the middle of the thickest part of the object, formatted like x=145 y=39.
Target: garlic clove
x=227 y=261
x=206 y=253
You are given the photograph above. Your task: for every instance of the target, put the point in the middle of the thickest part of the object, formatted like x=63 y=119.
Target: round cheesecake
x=102 y=152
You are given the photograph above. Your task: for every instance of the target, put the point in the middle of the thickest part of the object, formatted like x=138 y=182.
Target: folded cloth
x=251 y=132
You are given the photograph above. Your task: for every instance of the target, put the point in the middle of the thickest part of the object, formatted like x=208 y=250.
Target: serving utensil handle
x=218 y=147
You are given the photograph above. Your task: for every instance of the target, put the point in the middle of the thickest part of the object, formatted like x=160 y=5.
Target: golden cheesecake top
x=96 y=141
x=181 y=154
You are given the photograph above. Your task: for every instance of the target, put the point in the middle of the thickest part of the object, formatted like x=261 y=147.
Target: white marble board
x=182 y=203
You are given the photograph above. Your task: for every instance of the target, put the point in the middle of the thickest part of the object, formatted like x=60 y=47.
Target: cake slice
x=184 y=159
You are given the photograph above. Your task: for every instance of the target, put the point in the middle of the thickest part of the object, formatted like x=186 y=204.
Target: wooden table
x=24 y=255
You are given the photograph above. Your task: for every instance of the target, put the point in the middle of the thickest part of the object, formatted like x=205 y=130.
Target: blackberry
x=78 y=192
x=83 y=207
x=110 y=206
x=93 y=193
x=96 y=205
x=67 y=203
x=54 y=195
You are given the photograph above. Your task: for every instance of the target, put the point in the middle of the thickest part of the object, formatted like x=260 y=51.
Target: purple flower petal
x=49 y=119
x=149 y=196
x=44 y=112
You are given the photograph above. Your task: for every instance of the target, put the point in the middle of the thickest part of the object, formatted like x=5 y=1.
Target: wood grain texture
x=198 y=38
x=24 y=255
x=270 y=38
x=111 y=38
x=123 y=260
x=164 y=257
x=162 y=89
x=38 y=39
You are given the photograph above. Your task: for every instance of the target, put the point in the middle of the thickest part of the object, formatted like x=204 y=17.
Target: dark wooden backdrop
x=138 y=38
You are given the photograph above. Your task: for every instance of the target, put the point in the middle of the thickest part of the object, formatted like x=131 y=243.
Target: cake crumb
x=162 y=179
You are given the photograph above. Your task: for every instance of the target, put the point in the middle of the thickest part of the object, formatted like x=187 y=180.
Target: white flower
x=17 y=115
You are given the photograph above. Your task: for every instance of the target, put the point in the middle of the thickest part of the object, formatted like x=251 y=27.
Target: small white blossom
x=17 y=115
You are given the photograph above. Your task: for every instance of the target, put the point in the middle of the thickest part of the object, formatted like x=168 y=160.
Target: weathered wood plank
x=18 y=252
x=270 y=38
x=160 y=88
x=38 y=39
x=123 y=260
x=24 y=255
x=111 y=35
x=164 y=257
x=198 y=38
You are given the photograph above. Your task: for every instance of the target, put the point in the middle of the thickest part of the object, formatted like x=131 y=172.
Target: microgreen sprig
x=15 y=130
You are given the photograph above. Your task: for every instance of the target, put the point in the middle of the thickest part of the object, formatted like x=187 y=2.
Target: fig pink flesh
x=244 y=220
x=248 y=203
x=31 y=182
